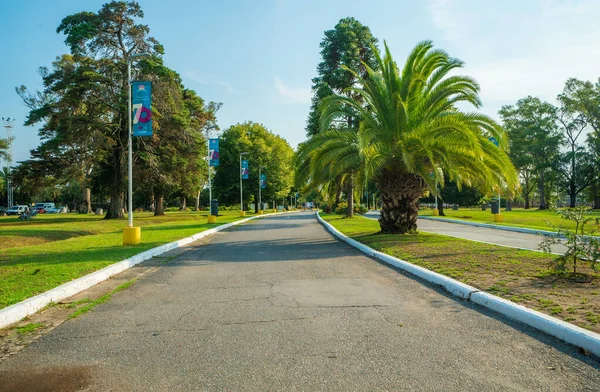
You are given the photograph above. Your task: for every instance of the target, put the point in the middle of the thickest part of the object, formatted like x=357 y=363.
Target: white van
x=16 y=210
x=45 y=206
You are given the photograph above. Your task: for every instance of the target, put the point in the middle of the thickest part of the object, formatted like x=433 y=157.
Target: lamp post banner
x=213 y=152
x=263 y=181
x=245 y=169
x=141 y=106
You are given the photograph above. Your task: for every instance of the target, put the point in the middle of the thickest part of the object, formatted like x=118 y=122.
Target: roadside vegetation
x=524 y=277
x=547 y=220
x=39 y=255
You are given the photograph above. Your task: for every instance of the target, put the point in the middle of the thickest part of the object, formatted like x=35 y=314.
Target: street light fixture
x=241 y=186
x=259 y=189
x=134 y=237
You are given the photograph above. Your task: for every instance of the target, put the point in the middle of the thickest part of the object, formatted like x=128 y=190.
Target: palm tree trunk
x=350 y=209
x=400 y=193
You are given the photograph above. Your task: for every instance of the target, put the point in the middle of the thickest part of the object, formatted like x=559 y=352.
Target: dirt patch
x=51 y=378
x=523 y=277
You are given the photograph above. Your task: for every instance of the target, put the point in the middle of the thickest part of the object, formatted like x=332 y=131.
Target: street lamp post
x=241 y=186
x=259 y=189
x=131 y=58
x=8 y=125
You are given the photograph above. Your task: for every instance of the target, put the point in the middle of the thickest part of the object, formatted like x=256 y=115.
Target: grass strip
x=28 y=328
x=41 y=263
x=532 y=219
x=518 y=275
x=90 y=305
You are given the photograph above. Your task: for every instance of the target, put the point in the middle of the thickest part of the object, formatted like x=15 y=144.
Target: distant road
x=482 y=234
x=279 y=305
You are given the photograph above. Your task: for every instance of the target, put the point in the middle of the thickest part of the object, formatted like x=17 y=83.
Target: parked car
x=42 y=208
x=17 y=210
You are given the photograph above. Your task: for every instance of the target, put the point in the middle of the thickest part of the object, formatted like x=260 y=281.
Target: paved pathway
x=278 y=304
x=482 y=234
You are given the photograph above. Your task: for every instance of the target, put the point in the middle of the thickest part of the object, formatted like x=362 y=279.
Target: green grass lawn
x=50 y=250
x=535 y=219
x=518 y=275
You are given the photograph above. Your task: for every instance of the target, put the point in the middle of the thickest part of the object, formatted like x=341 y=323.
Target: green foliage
x=265 y=149
x=84 y=116
x=411 y=135
x=342 y=208
x=581 y=244
x=345 y=48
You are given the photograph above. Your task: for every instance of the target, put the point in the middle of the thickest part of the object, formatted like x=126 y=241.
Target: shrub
x=581 y=245
x=343 y=207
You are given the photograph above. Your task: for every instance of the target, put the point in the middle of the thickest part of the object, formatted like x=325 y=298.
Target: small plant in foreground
x=580 y=245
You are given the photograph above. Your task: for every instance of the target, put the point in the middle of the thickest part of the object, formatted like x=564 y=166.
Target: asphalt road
x=481 y=234
x=278 y=304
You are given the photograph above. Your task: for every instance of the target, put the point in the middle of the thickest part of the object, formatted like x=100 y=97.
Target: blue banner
x=245 y=169
x=141 y=106
x=213 y=152
x=494 y=141
x=263 y=180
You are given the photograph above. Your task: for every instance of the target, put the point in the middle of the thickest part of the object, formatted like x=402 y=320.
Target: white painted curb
x=570 y=333
x=18 y=311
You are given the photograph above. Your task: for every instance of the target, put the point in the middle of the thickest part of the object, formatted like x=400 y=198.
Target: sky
x=258 y=57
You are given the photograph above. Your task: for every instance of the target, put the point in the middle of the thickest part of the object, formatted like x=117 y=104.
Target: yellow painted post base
x=498 y=218
x=132 y=235
x=242 y=213
x=436 y=212
x=274 y=209
x=260 y=212
x=212 y=219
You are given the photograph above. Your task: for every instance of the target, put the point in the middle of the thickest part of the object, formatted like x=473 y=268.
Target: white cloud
x=515 y=48
x=292 y=94
x=210 y=80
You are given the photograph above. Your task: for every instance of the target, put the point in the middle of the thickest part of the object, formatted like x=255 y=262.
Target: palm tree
x=411 y=135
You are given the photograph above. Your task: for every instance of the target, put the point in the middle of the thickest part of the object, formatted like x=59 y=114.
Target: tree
x=411 y=127
x=264 y=149
x=583 y=98
x=106 y=40
x=534 y=143
x=576 y=172
x=345 y=52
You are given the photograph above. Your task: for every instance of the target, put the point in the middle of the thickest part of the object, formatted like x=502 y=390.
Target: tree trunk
x=338 y=195
x=440 y=206
x=117 y=190
x=152 y=202
x=160 y=203
x=526 y=195
x=596 y=194
x=256 y=204
x=543 y=202
x=400 y=193
x=508 y=205
x=198 y=200
x=183 y=204
x=86 y=206
x=350 y=209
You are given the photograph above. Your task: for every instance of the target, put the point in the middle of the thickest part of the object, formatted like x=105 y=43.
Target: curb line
x=497 y=227
x=18 y=311
x=567 y=332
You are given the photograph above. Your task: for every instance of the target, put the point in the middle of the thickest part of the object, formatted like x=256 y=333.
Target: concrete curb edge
x=12 y=314
x=567 y=332
x=497 y=227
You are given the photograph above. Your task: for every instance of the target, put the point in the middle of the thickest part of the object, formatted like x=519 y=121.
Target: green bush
x=343 y=207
